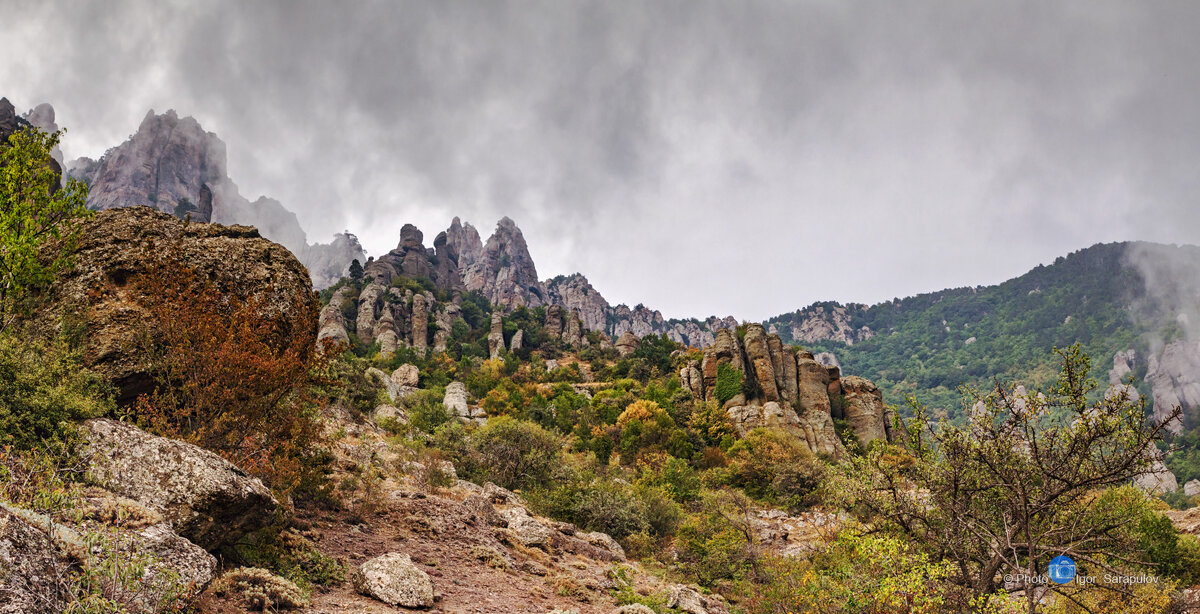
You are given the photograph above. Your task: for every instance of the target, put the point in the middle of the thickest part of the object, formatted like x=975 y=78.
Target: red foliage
x=232 y=377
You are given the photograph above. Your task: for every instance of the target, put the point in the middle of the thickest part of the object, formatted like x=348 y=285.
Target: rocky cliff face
x=822 y=322
x=786 y=389
x=504 y=271
x=41 y=117
x=172 y=164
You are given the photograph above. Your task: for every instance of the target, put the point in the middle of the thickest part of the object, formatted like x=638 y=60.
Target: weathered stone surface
x=393 y=579
x=368 y=304
x=812 y=386
x=505 y=272
x=420 y=322
x=573 y=332
x=627 y=343
x=784 y=364
x=686 y=599
x=866 y=412
x=633 y=608
x=406 y=375
x=483 y=509
x=692 y=379
x=554 y=321
x=455 y=399
x=1172 y=376
x=518 y=340
x=605 y=541
x=1191 y=488
x=190 y=563
x=578 y=296
x=1160 y=480
x=393 y=389
x=205 y=498
x=29 y=562
x=496 y=336
x=528 y=529
x=123 y=248
x=758 y=359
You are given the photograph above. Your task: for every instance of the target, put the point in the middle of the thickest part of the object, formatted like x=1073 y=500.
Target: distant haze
x=698 y=157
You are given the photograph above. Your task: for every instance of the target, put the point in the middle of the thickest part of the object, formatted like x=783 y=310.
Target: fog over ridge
x=698 y=157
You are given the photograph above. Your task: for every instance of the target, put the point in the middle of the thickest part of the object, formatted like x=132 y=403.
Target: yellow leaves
x=640 y=410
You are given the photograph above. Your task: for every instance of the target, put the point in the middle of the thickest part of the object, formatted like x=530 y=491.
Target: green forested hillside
x=931 y=344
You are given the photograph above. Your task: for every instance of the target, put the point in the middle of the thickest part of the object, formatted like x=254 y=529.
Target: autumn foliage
x=232 y=376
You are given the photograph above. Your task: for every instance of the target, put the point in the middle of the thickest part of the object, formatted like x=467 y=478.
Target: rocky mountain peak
x=172 y=164
x=505 y=272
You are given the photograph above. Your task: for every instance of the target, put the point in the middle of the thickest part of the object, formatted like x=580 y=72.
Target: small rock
x=605 y=541
x=394 y=579
x=685 y=598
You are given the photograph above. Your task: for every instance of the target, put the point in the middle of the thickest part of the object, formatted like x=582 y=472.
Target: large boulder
x=393 y=579
x=627 y=343
x=204 y=498
x=758 y=357
x=29 y=568
x=122 y=248
x=528 y=529
x=495 y=336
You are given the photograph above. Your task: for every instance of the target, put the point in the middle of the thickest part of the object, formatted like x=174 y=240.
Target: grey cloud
x=700 y=157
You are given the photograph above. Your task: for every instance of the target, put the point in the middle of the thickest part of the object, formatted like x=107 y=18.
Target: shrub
x=43 y=391
x=775 y=465
x=259 y=589
x=515 y=453
x=230 y=377
x=611 y=508
x=729 y=382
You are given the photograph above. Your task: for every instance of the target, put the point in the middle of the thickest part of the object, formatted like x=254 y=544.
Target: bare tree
x=1021 y=482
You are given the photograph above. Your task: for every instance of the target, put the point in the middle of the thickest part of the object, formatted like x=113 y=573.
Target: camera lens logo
x=1062 y=569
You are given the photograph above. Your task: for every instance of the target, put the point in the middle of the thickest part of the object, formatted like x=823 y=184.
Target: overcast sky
x=699 y=157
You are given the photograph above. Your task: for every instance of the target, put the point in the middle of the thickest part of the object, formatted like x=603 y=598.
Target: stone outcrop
x=826 y=322
x=331 y=323
x=627 y=343
x=496 y=336
x=577 y=295
x=528 y=529
x=123 y=249
x=504 y=271
x=29 y=562
x=420 y=322
x=517 y=341
x=865 y=410
x=1171 y=373
x=788 y=390
x=406 y=376
x=204 y=498
x=174 y=165
x=393 y=579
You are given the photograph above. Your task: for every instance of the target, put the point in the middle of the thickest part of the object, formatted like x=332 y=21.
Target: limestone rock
x=368 y=303
x=505 y=272
x=406 y=375
x=517 y=340
x=1160 y=480
x=1191 y=488
x=393 y=579
x=686 y=599
x=420 y=322
x=29 y=562
x=483 y=509
x=633 y=608
x=554 y=321
x=455 y=399
x=526 y=527
x=605 y=541
x=812 y=386
x=1172 y=376
x=496 y=336
x=578 y=296
x=866 y=412
x=573 y=332
x=627 y=343
x=692 y=380
x=121 y=248
x=205 y=498
x=759 y=362
x=726 y=349
x=393 y=389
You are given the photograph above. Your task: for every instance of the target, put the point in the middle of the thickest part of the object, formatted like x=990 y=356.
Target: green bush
x=514 y=453
x=776 y=466
x=611 y=508
x=44 y=390
x=729 y=382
